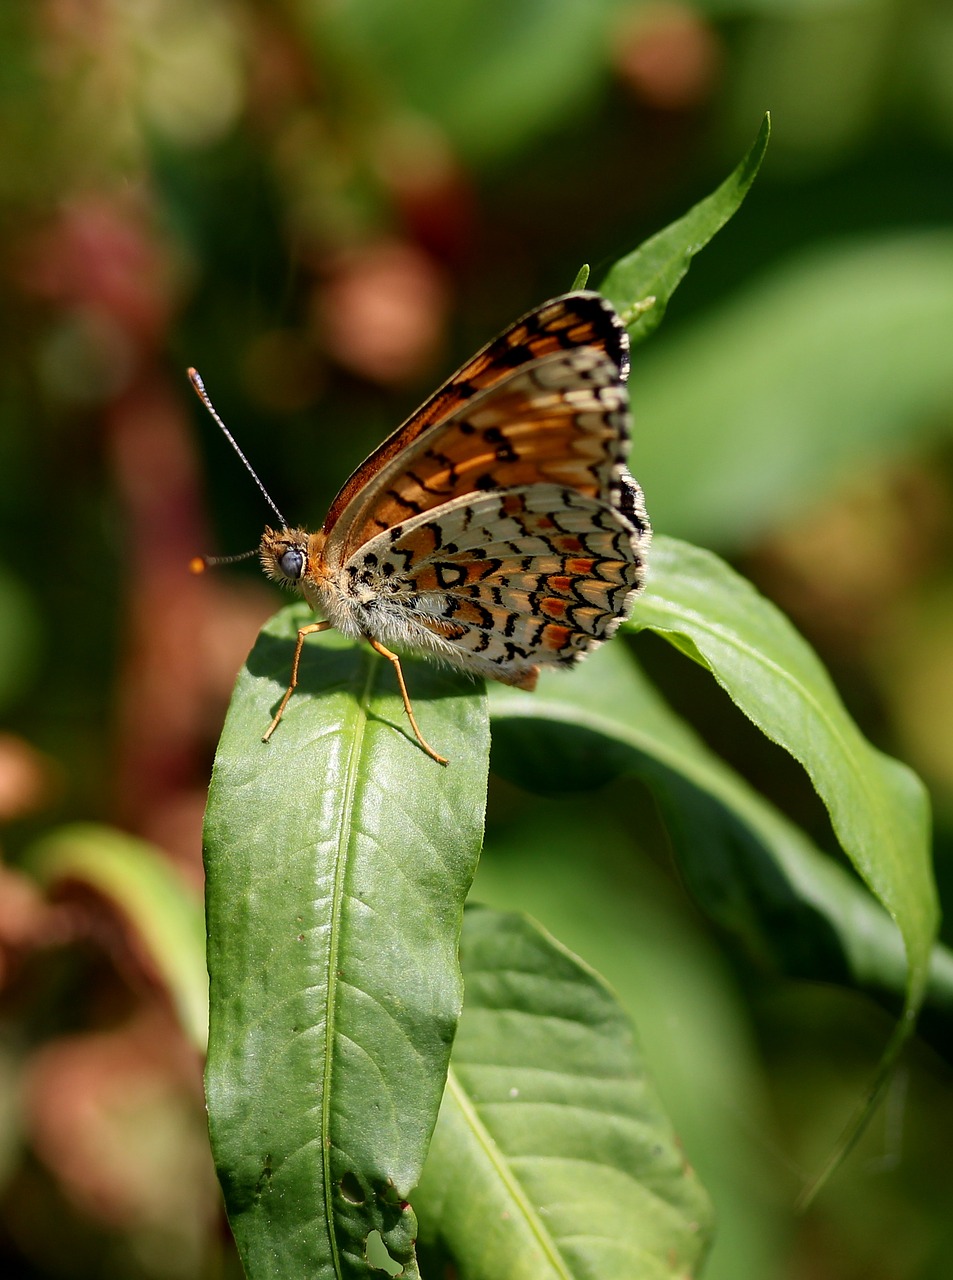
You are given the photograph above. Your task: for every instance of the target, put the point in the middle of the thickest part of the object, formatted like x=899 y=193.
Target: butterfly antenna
x=198 y=564
x=203 y=395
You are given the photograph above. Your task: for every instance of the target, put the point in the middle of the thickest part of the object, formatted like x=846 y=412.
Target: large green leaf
x=579 y=864
x=338 y=858
x=832 y=361
x=656 y=268
x=877 y=806
x=552 y=1157
x=164 y=916
x=748 y=867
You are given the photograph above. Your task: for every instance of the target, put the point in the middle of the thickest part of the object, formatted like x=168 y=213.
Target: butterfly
x=498 y=529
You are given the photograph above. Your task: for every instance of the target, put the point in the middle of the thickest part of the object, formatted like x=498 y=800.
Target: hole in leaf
x=351 y=1189
x=377 y=1255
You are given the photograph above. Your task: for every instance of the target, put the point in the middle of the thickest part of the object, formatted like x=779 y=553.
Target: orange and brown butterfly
x=498 y=529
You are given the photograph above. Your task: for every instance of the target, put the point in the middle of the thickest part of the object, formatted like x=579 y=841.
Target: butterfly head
x=289 y=556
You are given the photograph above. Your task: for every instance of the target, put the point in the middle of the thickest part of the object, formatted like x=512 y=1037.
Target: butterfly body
x=498 y=529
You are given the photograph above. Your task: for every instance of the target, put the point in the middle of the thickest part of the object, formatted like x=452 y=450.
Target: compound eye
x=291 y=564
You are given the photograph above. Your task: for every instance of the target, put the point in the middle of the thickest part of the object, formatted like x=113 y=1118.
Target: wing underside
x=492 y=384
x=561 y=420
x=509 y=581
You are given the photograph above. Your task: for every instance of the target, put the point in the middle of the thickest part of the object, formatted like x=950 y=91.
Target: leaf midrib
x=348 y=804
x=501 y=1168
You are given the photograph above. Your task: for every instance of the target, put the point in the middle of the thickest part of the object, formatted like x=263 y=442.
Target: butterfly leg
x=303 y=633
x=393 y=658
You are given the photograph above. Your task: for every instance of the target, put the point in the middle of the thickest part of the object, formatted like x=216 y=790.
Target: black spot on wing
x=503 y=448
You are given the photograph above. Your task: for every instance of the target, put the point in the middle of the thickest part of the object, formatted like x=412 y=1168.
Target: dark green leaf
x=878 y=807
x=338 y=857
x=748 y=867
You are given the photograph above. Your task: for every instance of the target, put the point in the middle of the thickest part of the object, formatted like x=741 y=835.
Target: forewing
x=496 y=384
x=563 y=419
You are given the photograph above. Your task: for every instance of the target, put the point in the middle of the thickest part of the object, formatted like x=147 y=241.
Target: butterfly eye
x=291 y=564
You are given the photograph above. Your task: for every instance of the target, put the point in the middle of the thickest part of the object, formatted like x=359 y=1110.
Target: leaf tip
x=582 y=277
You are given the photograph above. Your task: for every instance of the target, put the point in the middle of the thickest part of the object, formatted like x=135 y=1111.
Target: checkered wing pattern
x=413 y=470
x=501 y=521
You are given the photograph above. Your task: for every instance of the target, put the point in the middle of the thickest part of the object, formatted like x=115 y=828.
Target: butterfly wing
x=504 y=582
x=412 y=472
x=562 y=419
x=499 y=526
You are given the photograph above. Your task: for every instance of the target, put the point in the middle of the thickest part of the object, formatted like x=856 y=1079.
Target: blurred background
x=325 y=207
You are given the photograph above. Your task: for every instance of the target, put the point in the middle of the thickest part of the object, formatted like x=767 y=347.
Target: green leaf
x=338 y=859
x=582 y=276
x=830 y=362
x=552 y=1156
x=658 y=266
x=164 y=916
x=578 y=864
x=878 y=807
x=748 y=867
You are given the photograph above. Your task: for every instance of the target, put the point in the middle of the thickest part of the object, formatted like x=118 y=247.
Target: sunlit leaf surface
x=338 y=858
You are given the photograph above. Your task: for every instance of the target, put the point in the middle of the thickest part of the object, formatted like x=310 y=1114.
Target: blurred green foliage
x=324 y=208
